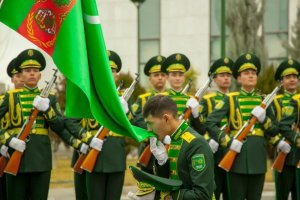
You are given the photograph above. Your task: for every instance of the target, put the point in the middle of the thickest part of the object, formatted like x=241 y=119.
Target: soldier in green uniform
x=32 y=180
x=287 y=106
x=106 y=181
x=17 y=80
x=175 y=66
x=189 y=157
x=222 y=70
x=246 y=177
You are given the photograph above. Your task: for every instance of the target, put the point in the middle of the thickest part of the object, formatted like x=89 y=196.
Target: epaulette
x=188 y=137
x=14 y=91
x=296 y=97
x=145 y=95
x=209 y=96
x=278 y=96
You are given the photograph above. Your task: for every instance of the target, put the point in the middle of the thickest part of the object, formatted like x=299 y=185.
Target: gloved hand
x=133 y=196
x=158 y=150
x=167 y=139
x=236 y=146
x=259 y=113
x=194 y=105
x=17 y=144
x=4 y=151
x=96 y=143
x=213 y=145
x=84 y=148
x=283 y=146
x=40 y=103
x=124 y=104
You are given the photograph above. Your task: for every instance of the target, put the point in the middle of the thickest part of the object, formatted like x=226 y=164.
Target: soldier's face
x=176 y=80
x=290 y=82
x=158 y=80
x=223 y=80
x=161 y=126
x=115 y=75
x=17 y=80
x=31 y=76
x=247 y=78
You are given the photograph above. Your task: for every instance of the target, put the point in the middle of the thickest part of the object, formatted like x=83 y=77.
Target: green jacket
x=190 y=160
x=18 y=104
x=237 y=107
x=290 y=118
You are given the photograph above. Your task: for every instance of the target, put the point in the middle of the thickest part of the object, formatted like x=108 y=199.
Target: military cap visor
x=154 y=65
x=176 y=63
x=30 y=58
x=287 y=67
x=162 y=184
x=245 y=62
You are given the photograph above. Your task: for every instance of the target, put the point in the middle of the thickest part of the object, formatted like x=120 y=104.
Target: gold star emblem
x=30 y=52
x=159 y=59
x=178 y=57
x=291 y=62
x=108 y=53
x=226 y=60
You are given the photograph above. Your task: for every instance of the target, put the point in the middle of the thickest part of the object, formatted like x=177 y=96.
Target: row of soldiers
x=190 y=158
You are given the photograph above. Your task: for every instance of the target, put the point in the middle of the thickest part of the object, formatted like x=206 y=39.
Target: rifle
x=187 y=87
x=3 y=161
x=77 y=167
x=90 y=160
x=227 y=161
x=13 y=164
x=145 y=157
x=200 y=92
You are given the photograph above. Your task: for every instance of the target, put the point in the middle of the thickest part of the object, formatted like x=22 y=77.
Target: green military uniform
x=286 y=180
x=106 y=181
x=35 y=167
x=4 y=122
x=191 y=161
x=249 y=168
x=208 y=102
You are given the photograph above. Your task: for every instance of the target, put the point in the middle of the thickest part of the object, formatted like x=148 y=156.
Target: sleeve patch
x=198 y=162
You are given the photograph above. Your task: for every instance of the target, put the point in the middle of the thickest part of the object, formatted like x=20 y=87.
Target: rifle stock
x=13 y=164
x=298 y=165
x=279 y=162
x=91 y=158
x=3 y=161
x=146 y=155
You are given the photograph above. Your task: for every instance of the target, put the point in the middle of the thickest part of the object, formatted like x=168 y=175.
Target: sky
x=11 y=44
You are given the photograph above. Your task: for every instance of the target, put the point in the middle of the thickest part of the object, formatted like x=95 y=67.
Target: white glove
x=17 y=144
x=84 y=148
x=158 y=150
x=283 y=146
x=124 y=104
x=4 y=151
x=96 y=143
x=236 y=146
x=213 y=145
x=167 y=139
x=259 y=113
x=133 y=196
x=40 y=103
x=194 y=105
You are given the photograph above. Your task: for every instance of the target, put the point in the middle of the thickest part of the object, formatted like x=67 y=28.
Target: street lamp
x=138 y=4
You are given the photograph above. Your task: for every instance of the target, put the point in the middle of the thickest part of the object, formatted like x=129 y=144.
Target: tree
x=245 y=20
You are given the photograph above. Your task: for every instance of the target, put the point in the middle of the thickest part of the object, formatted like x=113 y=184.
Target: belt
x=34 y=131
x=254 y=132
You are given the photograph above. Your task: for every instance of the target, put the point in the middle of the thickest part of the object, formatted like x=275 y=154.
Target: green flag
x=70 y=32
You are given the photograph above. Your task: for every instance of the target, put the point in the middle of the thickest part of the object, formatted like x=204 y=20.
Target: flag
x=70 y=32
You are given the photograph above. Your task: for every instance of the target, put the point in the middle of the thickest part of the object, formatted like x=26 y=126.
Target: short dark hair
x=159 y=105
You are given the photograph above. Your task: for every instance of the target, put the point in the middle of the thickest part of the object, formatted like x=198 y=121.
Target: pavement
x=68 y=193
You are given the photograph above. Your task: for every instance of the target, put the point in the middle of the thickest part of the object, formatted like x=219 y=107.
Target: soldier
x=17 y=80
x=287 y=106
x=33 y=178
x=222 y=70
x=157 y=81
x=175 y=66
x=246 y=177
x=189 y=157
x=106 y=180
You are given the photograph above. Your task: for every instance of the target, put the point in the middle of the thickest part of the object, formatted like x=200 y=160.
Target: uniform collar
x=28 y=89
x=180 y=130
x=244 y=92
x=219 y=93
x=174 y=92
x=289 y=94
